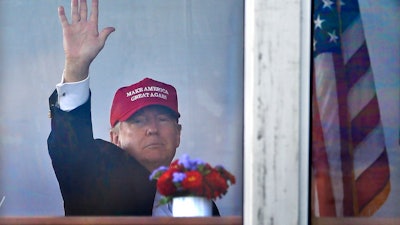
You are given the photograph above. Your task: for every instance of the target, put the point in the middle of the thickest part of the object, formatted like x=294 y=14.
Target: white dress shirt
x=161 y=210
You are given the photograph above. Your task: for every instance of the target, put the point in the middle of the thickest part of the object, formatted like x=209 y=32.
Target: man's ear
x=178 y=135
x=179 y=128
x=114 y=137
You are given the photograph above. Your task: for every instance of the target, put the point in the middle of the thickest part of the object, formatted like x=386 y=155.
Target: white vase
x=191 y=206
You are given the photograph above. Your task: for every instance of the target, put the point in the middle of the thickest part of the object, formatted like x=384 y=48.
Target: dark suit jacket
x=96 y=177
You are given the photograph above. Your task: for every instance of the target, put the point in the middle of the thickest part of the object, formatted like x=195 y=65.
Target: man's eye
x=137 y=120
x=164 y=118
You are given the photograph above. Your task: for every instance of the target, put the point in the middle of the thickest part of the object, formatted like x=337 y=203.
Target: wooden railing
x=230 y=220
x=355 y=221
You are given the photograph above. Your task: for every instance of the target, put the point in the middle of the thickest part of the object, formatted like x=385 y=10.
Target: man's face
x=151 y=135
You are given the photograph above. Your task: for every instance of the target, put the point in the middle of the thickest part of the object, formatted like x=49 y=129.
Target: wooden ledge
x=355 y=221
x=230 y=220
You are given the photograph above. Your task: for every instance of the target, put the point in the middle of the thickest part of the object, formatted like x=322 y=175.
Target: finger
x=83 y=10
x=105 y=33
x=94 y=14
x=62 y=17
x=74 y=11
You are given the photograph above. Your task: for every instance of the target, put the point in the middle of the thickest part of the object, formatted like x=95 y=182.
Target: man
x=97 y=177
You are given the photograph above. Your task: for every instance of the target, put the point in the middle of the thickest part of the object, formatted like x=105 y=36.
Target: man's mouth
x=153 y=145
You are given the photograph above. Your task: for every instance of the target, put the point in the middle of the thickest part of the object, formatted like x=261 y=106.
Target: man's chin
x=156 y=161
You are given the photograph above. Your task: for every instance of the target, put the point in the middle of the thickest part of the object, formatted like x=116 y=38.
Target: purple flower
x=178 y=177
x=185 y=161
x=188 y=163
x=219 y=167
x=199 y=162
x=157 y=172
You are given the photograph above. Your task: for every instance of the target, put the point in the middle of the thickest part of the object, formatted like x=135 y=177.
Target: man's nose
x=152 y=127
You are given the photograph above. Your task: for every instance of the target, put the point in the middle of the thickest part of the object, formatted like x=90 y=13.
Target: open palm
x=81 y=39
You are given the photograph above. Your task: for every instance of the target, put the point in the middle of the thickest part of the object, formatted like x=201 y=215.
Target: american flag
x=350 y=169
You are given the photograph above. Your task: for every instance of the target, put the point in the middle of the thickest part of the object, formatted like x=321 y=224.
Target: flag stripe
x=322 y=180
x=358 y=65
x=375 y=178
x=378 y=200
x=366 y=121
x=352 y=39
x=325 y=85
x=361 y=93
x=368 y=151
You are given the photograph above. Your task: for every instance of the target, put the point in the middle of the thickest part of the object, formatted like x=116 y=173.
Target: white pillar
x=273 y=74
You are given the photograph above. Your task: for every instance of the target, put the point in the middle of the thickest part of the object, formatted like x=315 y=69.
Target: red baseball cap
x=128 y=100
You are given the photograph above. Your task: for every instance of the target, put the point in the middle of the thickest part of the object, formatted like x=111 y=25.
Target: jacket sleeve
x=95 y=176
x=70 y=144
x=71 y=132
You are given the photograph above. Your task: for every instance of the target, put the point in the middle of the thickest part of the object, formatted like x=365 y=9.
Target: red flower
x=217 y=185
x=226 y=175
x=165 y=185
x=175 y=164
x=193 y=182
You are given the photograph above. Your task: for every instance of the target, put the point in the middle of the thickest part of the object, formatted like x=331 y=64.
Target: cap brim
x=134 y=110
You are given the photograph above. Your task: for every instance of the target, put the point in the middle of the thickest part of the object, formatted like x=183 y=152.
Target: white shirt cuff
x=72 y=95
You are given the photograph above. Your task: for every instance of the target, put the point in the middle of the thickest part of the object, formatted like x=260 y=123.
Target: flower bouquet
x=186 y=177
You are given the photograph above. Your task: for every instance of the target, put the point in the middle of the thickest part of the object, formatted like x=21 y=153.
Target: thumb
x=105 y=33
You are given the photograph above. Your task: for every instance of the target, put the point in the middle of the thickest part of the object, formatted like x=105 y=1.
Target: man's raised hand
x=81 y=39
